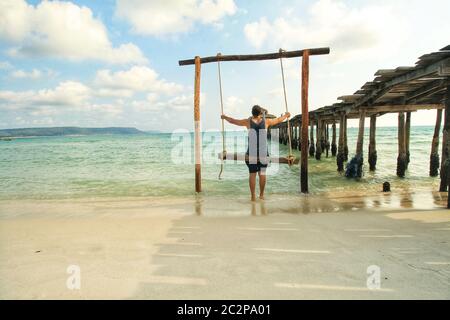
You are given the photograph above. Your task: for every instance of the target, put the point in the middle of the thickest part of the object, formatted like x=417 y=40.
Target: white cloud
x=20 y=74
x=106 y=108
x=32 y=74
x=5 y=65
x=109 y=94
x=136 y=79
x=62 y=30
x=67 y=93
x=162 y=17
x=349 y=31
x=233 y=104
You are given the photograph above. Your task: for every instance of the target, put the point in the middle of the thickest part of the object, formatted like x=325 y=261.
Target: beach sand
x=293 y=247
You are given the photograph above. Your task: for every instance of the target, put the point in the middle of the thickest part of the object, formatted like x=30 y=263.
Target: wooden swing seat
x=245 y=157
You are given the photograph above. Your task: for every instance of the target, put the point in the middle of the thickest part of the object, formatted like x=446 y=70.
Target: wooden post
x=372 y=143
x=299 y=137
x=286 y=136
x=445 y=143
x=434 y=156
x=295 y=140
x=312 y=148
x=401 y=159
x=407 y=134
x=340 y=155
x=197 y=128
x=360 y=143
x=345 y=139
x=280 y=134
x=319 y=139
x=327 y=140
x=305 y=120
x=292 y=134
x=333 y=140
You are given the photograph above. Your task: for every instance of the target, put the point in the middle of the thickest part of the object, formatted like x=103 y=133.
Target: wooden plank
x=409 y=76
x=418 y=73
x=350 y=97
x=257 y=57
x=245 y=157
x=197 y=127
x=305 y=123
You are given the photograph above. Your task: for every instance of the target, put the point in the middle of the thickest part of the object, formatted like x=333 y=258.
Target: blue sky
x=115 y=63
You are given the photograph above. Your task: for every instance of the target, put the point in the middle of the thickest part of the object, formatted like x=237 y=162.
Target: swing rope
x=286 y=105
x=223 y=123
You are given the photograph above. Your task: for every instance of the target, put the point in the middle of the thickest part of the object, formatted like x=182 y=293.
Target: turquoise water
x=157 y=165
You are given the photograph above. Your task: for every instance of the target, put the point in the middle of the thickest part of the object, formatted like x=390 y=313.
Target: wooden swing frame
x=197 y=61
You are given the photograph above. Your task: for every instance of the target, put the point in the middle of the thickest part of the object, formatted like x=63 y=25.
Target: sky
x=115 y=63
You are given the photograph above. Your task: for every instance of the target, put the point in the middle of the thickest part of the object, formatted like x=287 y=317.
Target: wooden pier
x=403 y=91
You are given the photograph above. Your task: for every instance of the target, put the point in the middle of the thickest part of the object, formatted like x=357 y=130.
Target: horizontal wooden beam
x=402 y=107
x=256 y=57
x=425 y=90
x=379 y=110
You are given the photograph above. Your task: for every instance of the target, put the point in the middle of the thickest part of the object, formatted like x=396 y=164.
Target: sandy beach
x=303 y=247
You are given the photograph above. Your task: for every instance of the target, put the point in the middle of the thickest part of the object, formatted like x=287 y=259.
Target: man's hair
x=257 y=110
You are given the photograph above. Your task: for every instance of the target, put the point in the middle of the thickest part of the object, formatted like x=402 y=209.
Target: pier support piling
x=354 y=167
x=340 y=155
x=445 y=143
x=295 y=141
x=319 y=138
x=407 y=135
x=345 y=139
x=401 y=159
x=333 y=140
x=312 y=148
x=434 y=156
x=372 y=143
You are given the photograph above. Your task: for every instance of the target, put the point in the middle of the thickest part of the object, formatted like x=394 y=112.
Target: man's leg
x=262 y=182
x=252 y=184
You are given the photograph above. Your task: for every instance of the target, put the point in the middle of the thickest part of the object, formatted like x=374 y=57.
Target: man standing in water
x=257 y=151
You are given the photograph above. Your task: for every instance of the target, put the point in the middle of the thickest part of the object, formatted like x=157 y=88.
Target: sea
x=162 y=165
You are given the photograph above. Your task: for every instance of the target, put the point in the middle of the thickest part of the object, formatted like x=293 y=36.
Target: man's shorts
x=256 y=167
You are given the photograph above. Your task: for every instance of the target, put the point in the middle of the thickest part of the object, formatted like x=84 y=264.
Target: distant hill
x=65 y=131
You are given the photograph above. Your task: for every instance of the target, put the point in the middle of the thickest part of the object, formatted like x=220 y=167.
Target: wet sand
x=286 y=247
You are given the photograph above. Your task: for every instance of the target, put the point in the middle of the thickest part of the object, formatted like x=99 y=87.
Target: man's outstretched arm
x=236 y=122
x=272 y=122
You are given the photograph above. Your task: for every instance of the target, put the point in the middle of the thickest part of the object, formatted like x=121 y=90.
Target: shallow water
x=157 y=165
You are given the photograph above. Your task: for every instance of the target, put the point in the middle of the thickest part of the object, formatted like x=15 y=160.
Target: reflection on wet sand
x=307 y=204
x=262 y=208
